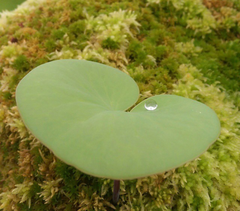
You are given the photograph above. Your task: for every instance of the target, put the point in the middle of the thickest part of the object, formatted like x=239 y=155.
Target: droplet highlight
x=151 y=105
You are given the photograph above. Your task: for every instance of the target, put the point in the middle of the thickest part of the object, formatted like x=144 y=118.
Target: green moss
x=59 y=33
x=151 y=43
x=136 y=52
x=219 y=62
x=170 y=64
x=50 y=45
x=21 y=63
x=110 y=44
x=3 y=40
x=40 y=61
x=77 y=28
x=7 y=95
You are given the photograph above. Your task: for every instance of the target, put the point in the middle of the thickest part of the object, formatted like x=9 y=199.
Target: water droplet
x=151 y=105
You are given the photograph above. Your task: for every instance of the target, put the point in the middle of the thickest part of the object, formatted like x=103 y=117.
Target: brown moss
x=34 y=49
x=25 y=163
x=213 y=4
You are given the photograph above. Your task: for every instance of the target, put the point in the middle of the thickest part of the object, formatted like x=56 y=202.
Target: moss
x=148 y=40
x=110 y=44
x=21 y=63
x=50 y=45
x=77 y=28
x=59 y=33
x=135 y=52
x=40 y=61
x=7 y=95
x=219 y=62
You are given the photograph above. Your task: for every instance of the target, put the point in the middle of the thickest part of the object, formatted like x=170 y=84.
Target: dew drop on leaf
x=151 y=105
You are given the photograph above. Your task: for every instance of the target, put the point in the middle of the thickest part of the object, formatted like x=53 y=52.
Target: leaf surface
x=78 y=110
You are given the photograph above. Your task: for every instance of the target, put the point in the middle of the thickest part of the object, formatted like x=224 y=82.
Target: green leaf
x=10 y=5
x=78 y=110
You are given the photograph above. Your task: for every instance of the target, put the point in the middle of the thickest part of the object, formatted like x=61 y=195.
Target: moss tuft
x=110 y=44
x=21 y=63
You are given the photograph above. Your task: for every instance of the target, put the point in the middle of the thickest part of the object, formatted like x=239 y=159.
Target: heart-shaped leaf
x=78 y=110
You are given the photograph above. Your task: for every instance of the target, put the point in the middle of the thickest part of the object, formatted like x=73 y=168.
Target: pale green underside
x=77 y=109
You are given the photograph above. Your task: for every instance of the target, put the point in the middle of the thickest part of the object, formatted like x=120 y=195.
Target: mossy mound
x=189 y=48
